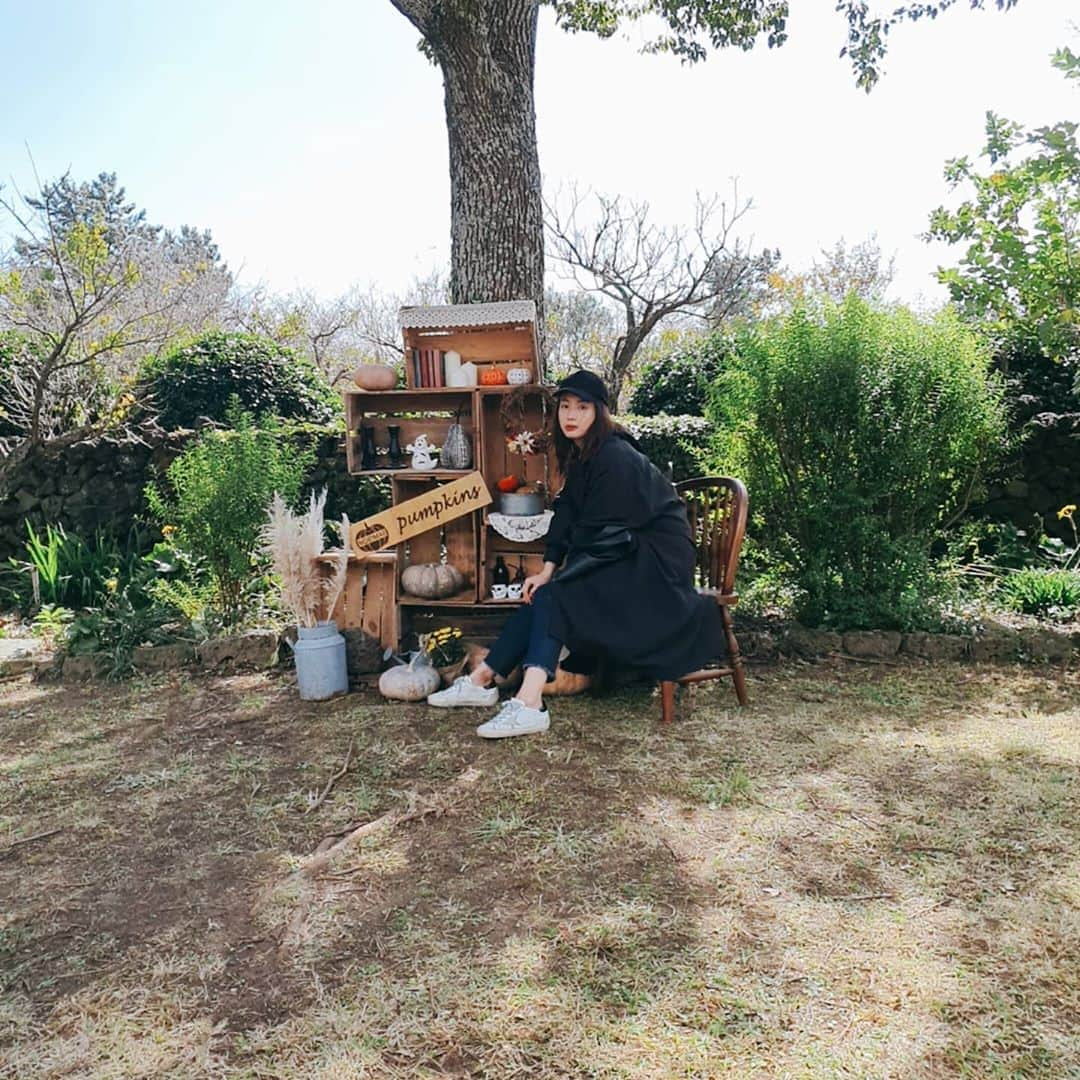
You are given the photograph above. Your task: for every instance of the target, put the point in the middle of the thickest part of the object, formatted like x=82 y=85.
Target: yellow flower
x=168 y=530
x=112 y=584
x=1067 y=511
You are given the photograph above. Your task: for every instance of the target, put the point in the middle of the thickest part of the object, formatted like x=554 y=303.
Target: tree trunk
x=487 y=52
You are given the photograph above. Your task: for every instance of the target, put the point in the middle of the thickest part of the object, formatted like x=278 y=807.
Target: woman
x=626 y=590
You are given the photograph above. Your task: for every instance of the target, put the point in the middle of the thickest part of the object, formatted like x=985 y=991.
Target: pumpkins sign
x=415 y=516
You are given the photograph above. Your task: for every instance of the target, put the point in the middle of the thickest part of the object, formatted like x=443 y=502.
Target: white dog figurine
x=422 y=453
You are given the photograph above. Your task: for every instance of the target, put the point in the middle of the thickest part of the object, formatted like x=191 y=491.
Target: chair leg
x=667 y=702
x=738 y=674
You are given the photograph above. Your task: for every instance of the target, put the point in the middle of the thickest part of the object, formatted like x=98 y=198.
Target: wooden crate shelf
x=415 y=412
x=465 y=598
x=495 y=460
x=455 y=542
x=418 y=474
x=506 y=346
x=492 y=545
x=501 y=335
x=368 y=600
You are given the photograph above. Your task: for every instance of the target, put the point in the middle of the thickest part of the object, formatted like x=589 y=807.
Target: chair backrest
x=717 y=507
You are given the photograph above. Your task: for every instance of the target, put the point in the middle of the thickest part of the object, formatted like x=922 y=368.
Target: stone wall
x=98 y=483
x=1047 y=476
x=84 y=485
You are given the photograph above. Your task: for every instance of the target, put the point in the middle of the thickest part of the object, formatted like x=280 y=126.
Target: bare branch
x=651 y=271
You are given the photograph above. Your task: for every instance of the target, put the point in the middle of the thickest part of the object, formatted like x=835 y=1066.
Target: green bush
x=128 y=616
x=199 y=378
x=216 y=498
x=860 y=434
x=677 y=382
x=682 y=441
x=1043 y=591
x=76 y=573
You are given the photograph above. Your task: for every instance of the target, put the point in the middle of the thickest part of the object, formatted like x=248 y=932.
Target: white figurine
x=422 y=453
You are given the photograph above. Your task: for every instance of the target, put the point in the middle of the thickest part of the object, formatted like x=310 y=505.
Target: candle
x=451 y=366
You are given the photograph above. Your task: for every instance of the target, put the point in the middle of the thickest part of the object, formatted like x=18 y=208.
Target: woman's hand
x=535 y=581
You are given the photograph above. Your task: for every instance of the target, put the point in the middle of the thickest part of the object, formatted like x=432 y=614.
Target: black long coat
x=641 y=610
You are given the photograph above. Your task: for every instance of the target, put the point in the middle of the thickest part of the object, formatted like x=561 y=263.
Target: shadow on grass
x=864 y=872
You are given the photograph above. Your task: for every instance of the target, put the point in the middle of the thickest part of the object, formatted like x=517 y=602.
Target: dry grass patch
x=869 y=872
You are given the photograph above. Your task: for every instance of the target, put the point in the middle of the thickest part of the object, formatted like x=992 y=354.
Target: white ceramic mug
x=513 y=591
x=498 y=592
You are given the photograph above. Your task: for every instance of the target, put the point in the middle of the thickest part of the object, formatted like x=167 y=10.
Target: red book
x=440 y=375
x=429 y=369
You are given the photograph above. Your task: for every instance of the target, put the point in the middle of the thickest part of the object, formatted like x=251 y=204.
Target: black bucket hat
x=585 y=385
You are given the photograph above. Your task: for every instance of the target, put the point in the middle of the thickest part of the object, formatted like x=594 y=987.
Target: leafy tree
x=336 y=334
x=90 y=287
x=201 y=377
x=1020 y=270
x=860 y=269
x=679 y=379
x=486 y=50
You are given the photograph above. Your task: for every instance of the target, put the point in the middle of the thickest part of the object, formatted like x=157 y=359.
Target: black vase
x=368 y=458
x=395 y=446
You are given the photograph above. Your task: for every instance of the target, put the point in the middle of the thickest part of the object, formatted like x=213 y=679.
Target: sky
x=309 y=137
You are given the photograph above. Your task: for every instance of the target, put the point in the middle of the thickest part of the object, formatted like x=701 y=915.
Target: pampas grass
x=311 y=579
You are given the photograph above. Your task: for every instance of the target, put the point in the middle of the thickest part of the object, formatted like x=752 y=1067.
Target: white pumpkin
x=410 y=682
x=432 y=581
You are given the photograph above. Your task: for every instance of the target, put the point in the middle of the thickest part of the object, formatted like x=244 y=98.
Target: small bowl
x=515 y=505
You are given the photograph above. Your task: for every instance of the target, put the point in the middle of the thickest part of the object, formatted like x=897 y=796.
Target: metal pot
x=514 y=504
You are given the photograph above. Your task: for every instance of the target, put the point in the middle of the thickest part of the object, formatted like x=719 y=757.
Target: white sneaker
x=463 y=691
x=515 y=718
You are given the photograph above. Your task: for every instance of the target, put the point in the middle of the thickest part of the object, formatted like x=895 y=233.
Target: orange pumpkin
x=567 y=683
x=492 y=376
x=474 y=653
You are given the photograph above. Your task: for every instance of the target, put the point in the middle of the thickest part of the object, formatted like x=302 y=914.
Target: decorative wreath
x=520 y=439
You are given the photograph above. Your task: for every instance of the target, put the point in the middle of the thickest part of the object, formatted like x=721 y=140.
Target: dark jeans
x=526 y=638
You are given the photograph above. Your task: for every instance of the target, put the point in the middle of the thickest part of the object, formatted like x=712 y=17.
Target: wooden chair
x=717 y=508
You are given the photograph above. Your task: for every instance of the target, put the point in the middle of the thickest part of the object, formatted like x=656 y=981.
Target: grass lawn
x=873 y=871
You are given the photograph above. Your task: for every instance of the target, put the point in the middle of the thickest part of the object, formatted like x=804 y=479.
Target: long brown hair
x=568 y=453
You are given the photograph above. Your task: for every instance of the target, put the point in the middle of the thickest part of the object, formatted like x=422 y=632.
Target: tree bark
x=487 y=52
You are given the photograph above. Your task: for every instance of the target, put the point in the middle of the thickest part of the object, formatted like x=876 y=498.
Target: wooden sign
x=414 y=516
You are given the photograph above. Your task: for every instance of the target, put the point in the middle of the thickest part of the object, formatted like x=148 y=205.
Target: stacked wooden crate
x=490 y=336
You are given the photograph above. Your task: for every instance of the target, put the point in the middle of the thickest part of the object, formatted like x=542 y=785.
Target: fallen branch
x=415 y=808
x=27 y=840
x=305 y=879
x=867 y=896
x=333 y=780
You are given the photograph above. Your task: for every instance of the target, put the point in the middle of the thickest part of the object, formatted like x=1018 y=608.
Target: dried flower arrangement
x=294 y=542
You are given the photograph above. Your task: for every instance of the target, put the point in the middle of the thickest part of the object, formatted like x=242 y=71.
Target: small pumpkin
x=410 y=682
x=509 y=483
x=492 y=376
x=432 y=581
x=375 y=377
